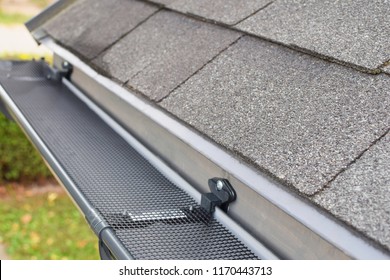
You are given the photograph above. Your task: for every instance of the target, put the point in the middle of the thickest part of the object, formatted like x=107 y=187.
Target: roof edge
x=34 y=23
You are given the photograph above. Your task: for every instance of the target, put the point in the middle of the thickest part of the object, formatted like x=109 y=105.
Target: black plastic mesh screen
x=152 y=217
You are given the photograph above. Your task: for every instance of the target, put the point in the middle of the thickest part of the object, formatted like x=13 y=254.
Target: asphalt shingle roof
x=386 y=69
x=163 y=2
x=296 y=98
x=226 y=11
x=90 y=26
x=299 y=117
x=165 y=51
x=361 y=195
x=352 y=31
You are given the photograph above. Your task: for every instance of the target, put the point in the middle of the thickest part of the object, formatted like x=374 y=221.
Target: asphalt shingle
x=227 y=11
x=163 y=52
x=353 y=31
x=298 y=117
x=90 y=26
x=386 y=69
x=361 y=195
x=163 y=2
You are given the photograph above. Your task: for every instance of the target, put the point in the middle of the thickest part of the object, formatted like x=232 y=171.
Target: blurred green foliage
x=19 y=161
x=45 y=227
x=9 y=18
x=41 y=3
x=13 y=18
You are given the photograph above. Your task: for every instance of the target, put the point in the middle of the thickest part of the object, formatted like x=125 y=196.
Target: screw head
x=219 y=185
x=65 y=64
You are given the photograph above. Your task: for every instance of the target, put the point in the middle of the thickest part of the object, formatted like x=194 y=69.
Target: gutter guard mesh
x=152 y=217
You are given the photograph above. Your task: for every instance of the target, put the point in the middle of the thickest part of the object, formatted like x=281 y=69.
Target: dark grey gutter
x=94 y=219
x=287 y=223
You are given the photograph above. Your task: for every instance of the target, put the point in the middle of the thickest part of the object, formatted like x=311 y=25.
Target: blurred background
x=37 y=219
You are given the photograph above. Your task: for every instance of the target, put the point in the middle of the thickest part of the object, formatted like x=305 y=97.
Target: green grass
x=44 y=226
x=14 y=18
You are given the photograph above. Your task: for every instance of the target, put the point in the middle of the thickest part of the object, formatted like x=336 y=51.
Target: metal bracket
x=52 y=73
x=222 y=193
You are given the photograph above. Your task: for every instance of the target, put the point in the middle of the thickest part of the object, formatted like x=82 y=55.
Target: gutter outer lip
x=294 y=206
x=93 y=218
